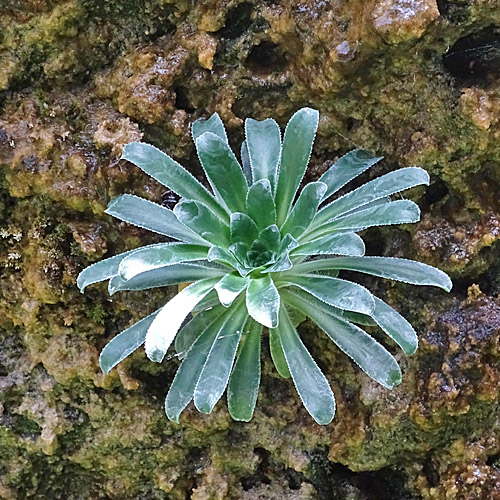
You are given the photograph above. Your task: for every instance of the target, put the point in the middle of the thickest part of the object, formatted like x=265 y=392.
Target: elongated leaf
x=243 y=229
x=277 y=354
x=336 y=292
x=283 y=262
x=194 y=328
x=171 y=275
x=263 y=301
x=202 y=221
x=264 y=149
x=215 y=375
x=151 y=216
x=158 y=256
x=101 y=271
x=213 y=124
x=395 y=326
x=311 y=384
x=125 y=343
x=346 y=169
x=165 y=326
x=297 y=147
x=245 y=163
x=360 y=319
x=218 y=254
x=229 y=287
x=369 y=355
x=182 y=389
x=223 y=171
x=304 y=210
x=260 y=204
x=339 y=244
x=243 y=387
x=386 y=185
x=396 y=212
x=392 y=268
x=172 y=175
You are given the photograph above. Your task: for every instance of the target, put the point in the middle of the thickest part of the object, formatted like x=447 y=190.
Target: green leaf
x=336 y=292
x=245 y=163
x=165 y=326
x=260 y=204
x=386 y=185
x=182 y=389
x=333 y=244
x=368 y=354
x=395 y=326
x=151 y=216
x=215 y=375
x=243 y=387
x=223 y=171
x=407 y=271
x=264 y=148
x=243 y=229
x=311 y=384
x=194 y=328
x=304 y=210
x=213 y=124
x=271 y=237
x=297 y=147
x=218 y=254
x=172 y=175
x=102 y=270
x=202 y=221
x=360 y=319
x=346 y=169
x=159 y=256
x=125 y=343
x=277 y=354
x=396 y=212
x=288 y=243
x=171 y=275
x=263 y=301
x=229 y=287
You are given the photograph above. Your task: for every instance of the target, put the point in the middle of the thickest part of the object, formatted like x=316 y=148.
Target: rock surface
x=414 y=80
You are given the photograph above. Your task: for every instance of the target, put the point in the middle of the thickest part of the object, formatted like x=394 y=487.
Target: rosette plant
x=259 y=257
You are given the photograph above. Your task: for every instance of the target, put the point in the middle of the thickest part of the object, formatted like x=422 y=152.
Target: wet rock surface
x=416 y=81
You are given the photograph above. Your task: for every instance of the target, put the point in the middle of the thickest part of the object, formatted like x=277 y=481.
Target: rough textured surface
x=414 y=80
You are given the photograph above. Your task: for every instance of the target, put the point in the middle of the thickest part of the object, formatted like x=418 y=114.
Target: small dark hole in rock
x=436 y=191
x=238 y=20
x=266 y=56
x=182 y=100
x=475 y=58
x=431 y=474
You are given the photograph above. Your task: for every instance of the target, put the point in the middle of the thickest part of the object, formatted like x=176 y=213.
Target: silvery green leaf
x=223 y=171
x=359 y=319
x=311 y=384
x=229 y=287
x=396 y=212
x=386 y=185
x=170 y=275
x=395 y=326
x=297 y=147
x=165 y=326
x=182 y=389
x=407 y=271
x=194 y=328
x=213 y=124
x=260 y=204
x=277 y=354
x=217 y=369
x=125 y=343
x=263 y=140
x=172 y=175
x=151 y=216
x=159 y=256
x=296 y=317
x=346 y=169
x=368 y=354
x=218 y=254
x=336 y=292
x=202 y=221
x=243 y=387
x=304 y=210
x=263 y=301
x=283 y=262
x=243 y=229
x=271 y=237
x=245 y=163
x=333 y=244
